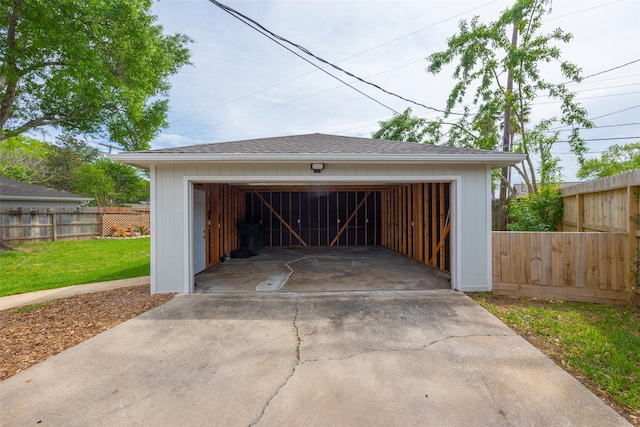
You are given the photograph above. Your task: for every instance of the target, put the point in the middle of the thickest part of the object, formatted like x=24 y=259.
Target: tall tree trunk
x=506 y=145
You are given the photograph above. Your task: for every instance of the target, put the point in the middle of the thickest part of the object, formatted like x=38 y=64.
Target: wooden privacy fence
x=596 y=256
x=609 y=205
x=41 y=225
x=570 y=266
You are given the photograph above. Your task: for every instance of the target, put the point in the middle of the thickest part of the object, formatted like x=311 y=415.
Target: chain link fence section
x=124 y=217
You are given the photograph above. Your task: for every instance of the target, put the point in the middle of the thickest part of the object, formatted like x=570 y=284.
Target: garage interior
x=329 y=237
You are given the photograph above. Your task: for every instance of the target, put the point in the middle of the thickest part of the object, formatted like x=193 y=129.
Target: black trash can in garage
x=250 y=236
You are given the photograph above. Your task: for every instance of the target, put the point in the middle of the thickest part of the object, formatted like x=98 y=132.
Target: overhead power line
x=277 y=39
x=582 y=10
x=342 y=60
x=611 y=69
x=615 y=112
x=608 y=139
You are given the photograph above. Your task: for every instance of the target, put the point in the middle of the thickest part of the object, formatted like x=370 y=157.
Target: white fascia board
x=145 y=160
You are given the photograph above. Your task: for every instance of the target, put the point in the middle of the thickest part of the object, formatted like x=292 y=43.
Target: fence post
x=580 y=212
x=100 y=221
x=54 y=225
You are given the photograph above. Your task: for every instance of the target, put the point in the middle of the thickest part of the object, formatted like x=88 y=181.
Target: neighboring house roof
x=17 y=190
x=318 y=147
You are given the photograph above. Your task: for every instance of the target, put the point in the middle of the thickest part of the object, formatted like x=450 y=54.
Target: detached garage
x=430 y=203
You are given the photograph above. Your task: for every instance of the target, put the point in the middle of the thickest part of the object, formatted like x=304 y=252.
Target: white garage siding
x=171 y=201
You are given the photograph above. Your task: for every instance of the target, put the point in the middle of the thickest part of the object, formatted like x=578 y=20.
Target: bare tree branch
x=46 y=121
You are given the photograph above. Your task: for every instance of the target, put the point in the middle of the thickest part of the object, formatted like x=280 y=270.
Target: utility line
x=275 y=37
x=558 y=129
x=611 y=69
x=571 y=82
x=272 y=35
x=342 y=60
x=588 y=97
x=604 y=80
x=606 y=139
x=596 y=88
x=583 y=10
x=615 y=112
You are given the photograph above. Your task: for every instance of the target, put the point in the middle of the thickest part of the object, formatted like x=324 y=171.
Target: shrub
x=117 y=231
x=536 y=212
x=142 y=230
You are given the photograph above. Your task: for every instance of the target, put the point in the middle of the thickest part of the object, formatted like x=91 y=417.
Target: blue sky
x=242 y=85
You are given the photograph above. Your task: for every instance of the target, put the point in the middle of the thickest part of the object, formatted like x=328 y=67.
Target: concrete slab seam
x=293 y=371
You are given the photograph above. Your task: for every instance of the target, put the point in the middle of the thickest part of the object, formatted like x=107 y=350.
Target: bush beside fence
x=597 y=256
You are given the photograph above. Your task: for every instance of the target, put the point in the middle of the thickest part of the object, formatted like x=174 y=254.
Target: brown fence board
x=601 y=296
x=535 y=263
x=568 y=259
x=568 y=265
x=580 y=260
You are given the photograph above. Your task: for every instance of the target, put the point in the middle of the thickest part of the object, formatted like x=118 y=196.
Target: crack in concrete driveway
x=427 y=359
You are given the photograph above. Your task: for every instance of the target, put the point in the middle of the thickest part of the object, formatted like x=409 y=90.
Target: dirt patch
x=34 y=333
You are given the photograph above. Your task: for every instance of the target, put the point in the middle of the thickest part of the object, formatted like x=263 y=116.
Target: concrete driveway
x=376 y=359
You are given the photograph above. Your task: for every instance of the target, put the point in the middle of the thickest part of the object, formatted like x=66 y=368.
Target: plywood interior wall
x=225 y=209
x=291 y=217
x=413 y=219
x=416 y=222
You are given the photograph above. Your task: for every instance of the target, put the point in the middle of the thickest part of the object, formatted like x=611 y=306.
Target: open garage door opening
x=334 y=234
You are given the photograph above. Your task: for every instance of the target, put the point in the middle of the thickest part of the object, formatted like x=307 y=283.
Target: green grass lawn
x=50 y=265
x=595 y=341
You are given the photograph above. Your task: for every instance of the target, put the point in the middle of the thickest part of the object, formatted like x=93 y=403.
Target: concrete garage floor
x=265 y=359
x=321 y=269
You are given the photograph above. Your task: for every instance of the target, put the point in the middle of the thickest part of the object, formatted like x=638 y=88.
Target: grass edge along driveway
x=50 y=265
x=599 y=344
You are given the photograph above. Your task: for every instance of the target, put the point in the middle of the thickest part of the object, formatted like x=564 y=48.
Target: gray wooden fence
x=42 y=225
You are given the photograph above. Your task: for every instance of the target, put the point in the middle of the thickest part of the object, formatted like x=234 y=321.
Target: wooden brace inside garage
x=411 y=219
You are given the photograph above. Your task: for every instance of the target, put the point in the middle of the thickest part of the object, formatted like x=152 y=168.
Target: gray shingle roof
x=318 y=143
x=13 y=188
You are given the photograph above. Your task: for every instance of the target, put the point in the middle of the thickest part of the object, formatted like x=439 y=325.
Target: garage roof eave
x=145 y=160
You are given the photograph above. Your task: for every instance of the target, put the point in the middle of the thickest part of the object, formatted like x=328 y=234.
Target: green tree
x=402 y=127
x=24 y=159
x=129 y=185
x=498 y=75
x=66 y=156
x=110 y=183
x=72 y=165
x=617 y=159
x=92 y=181
x=89 y=67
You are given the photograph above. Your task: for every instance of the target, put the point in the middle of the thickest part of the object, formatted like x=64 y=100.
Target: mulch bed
x=34 y=333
